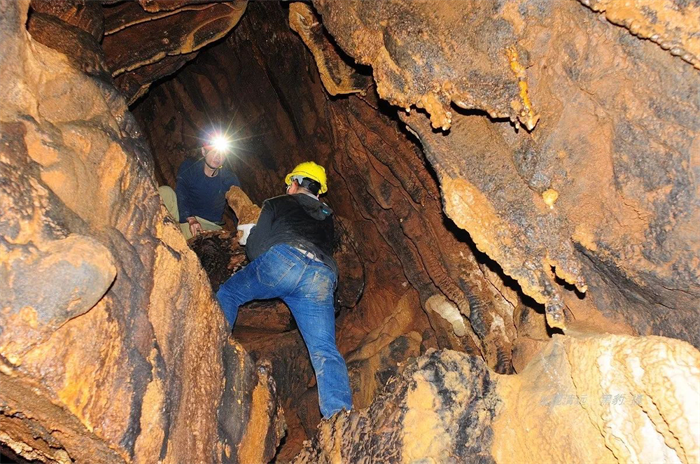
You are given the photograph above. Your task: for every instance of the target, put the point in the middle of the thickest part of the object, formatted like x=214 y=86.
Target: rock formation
x=388 y=203
x=515 y=192
x=592 y=399
x=245 y=210
x=526 y=198
x=112 y=348
x=168 y=35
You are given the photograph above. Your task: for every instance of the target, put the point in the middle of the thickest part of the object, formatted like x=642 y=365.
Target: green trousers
x=170 y=201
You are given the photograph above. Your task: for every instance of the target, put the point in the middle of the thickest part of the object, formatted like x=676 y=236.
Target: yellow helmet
x=312 y=171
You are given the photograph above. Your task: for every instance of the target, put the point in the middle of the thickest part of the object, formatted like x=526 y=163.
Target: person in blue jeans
x=291 y=257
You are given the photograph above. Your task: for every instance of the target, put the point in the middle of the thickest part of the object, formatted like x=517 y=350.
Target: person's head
x=213 y=158
x=307 y=176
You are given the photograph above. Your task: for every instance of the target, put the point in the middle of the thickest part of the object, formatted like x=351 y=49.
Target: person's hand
x=243 y=233
x=195 y=226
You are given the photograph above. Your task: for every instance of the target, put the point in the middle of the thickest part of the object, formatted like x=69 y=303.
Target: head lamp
x=220 y=143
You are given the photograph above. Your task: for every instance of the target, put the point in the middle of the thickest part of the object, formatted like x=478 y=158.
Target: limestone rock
x=673 y=28
x=440 y=409
x=77 y=44
x=167 y=38
x=219 y=254
x=238 y=201
x=134 y=84
x=393 y=237
x=83 y=14
x=429 y=54
x=338 y=77
x=614 y=394
x=382 y=352
x=154 y=6
x=617 y=147
x=113 y=348
x=351 y=285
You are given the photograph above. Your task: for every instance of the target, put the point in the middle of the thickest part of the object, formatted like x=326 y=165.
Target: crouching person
x=291 y=257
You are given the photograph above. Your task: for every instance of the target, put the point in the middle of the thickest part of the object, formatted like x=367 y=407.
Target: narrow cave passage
x=515 y=202
x=399 y=294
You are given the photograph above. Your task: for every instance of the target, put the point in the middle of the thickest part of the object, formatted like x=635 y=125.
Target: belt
x=308 y=254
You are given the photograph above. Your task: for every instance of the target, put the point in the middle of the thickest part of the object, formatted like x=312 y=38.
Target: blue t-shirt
x=201 y=195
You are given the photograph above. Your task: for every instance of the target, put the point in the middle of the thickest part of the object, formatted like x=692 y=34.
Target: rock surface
x=245 y=210
x=588 y=218
x=592 y=399
x=337 y=76
x=673 y=26
x=593 y=211
x=168 y=35
x=112 y=347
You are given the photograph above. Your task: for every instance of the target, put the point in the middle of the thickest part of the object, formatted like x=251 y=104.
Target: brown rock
x=78 y=45
x=83 y=14
x=613 y=393
x=118 y=351
x=219 y=254
x=337 y=76
x=134 y=84
x=581 y=213
x=246 y=211
x=413 y=67
x=172 y=34
x=381 y=353
x=351 y=284
x=265 y=317
x=662 y=22
x=289 y=358
x=393 y=237
x=612 y=149
x=601 y=390
x=154 y=6
x=178 y=31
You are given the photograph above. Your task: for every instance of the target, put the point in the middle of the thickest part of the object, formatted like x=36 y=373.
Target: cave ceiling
x=150 y=40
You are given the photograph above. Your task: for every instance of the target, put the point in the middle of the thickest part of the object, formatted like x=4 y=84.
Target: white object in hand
x=245 y=228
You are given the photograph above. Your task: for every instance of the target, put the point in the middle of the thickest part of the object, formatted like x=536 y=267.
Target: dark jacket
x=297 y=220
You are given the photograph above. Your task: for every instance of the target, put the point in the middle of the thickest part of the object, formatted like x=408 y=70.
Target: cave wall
x=112 y=346
x=569 y=157
x=538 y=154
x=593 y=208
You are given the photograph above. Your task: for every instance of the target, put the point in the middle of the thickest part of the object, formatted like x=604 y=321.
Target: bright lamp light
x=220 y=143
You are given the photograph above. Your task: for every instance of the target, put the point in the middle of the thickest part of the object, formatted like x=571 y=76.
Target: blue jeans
x=307 y=287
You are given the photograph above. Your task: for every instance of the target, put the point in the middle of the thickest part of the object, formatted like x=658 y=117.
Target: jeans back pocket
x=273 y=268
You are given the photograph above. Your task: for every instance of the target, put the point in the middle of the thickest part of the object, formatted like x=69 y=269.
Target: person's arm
x=261 y=231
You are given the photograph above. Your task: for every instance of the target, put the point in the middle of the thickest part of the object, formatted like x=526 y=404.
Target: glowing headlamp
x=220 y=143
